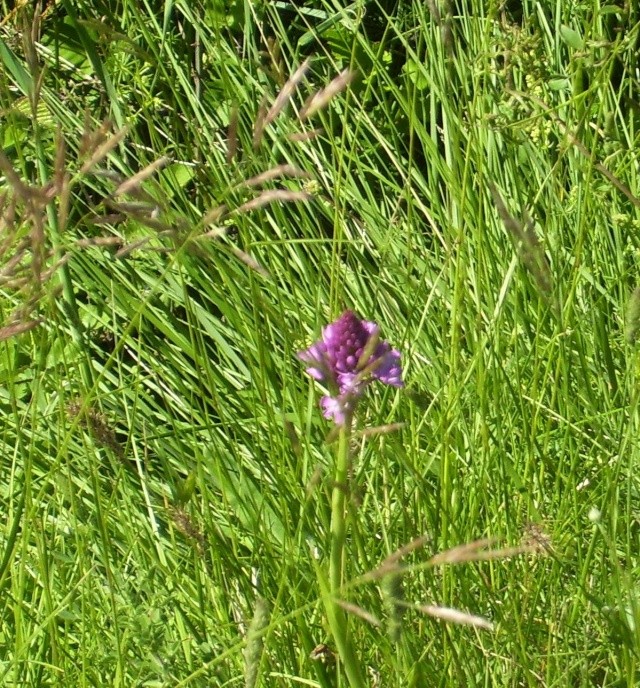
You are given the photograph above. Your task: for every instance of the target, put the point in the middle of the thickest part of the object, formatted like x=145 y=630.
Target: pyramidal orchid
x=349 y=356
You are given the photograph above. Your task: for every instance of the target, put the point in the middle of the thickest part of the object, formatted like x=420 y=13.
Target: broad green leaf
x=571 y=37
x=16 y=69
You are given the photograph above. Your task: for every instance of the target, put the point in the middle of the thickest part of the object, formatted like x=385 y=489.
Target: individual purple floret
x=349 y=356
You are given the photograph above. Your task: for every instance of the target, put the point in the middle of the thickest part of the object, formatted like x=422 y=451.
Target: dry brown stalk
x=99 y=241
x=461 y=553
x=7 y=220
x=48 y=273
x=110 y=219
x=37 y=244
x=412 y=546
x=59 y=169
x=14 y=283
x=141 y=243
x=63 y=201
x=391 y=565
x=19 y=188
x=133 y=246
x=131 y=207
x=111 y=175
x=19 y=254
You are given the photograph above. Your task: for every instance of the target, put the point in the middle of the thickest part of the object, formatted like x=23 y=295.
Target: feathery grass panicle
x=28 y=264
x=99 y=153
x=286 y=92
x=250 y=262
x=358 y=611
x=92 y=138
x=392 y=571
x=128 y=185
x=273 y=196
x=308 y=135
x=17 y=328
x=395 y=557
x=259 y=124
x=318 y=101
x=25 y=252
x=284 y=170
x=480 y=550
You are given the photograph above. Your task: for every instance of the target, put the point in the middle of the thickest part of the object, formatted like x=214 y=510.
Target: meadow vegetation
x=189 y=192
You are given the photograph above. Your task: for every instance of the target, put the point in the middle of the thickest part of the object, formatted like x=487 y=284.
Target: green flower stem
x=338 y=509
x=337 y=618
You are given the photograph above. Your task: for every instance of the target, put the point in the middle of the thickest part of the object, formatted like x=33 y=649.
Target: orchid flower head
x=348 y=357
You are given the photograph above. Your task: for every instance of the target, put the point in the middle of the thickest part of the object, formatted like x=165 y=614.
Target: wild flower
x=349 y=356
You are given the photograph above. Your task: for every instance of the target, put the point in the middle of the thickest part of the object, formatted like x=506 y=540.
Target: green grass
x=164 y=475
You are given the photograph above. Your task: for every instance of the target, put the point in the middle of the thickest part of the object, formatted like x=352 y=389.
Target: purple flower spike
x=337 y=360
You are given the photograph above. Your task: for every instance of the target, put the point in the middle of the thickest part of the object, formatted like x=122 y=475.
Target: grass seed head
x=393 y=595
x=318 y=101
x=255 y=643
x=632 y=319
x=186 y=525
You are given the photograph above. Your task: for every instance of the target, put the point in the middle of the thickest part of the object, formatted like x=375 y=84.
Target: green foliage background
x=163 y=461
